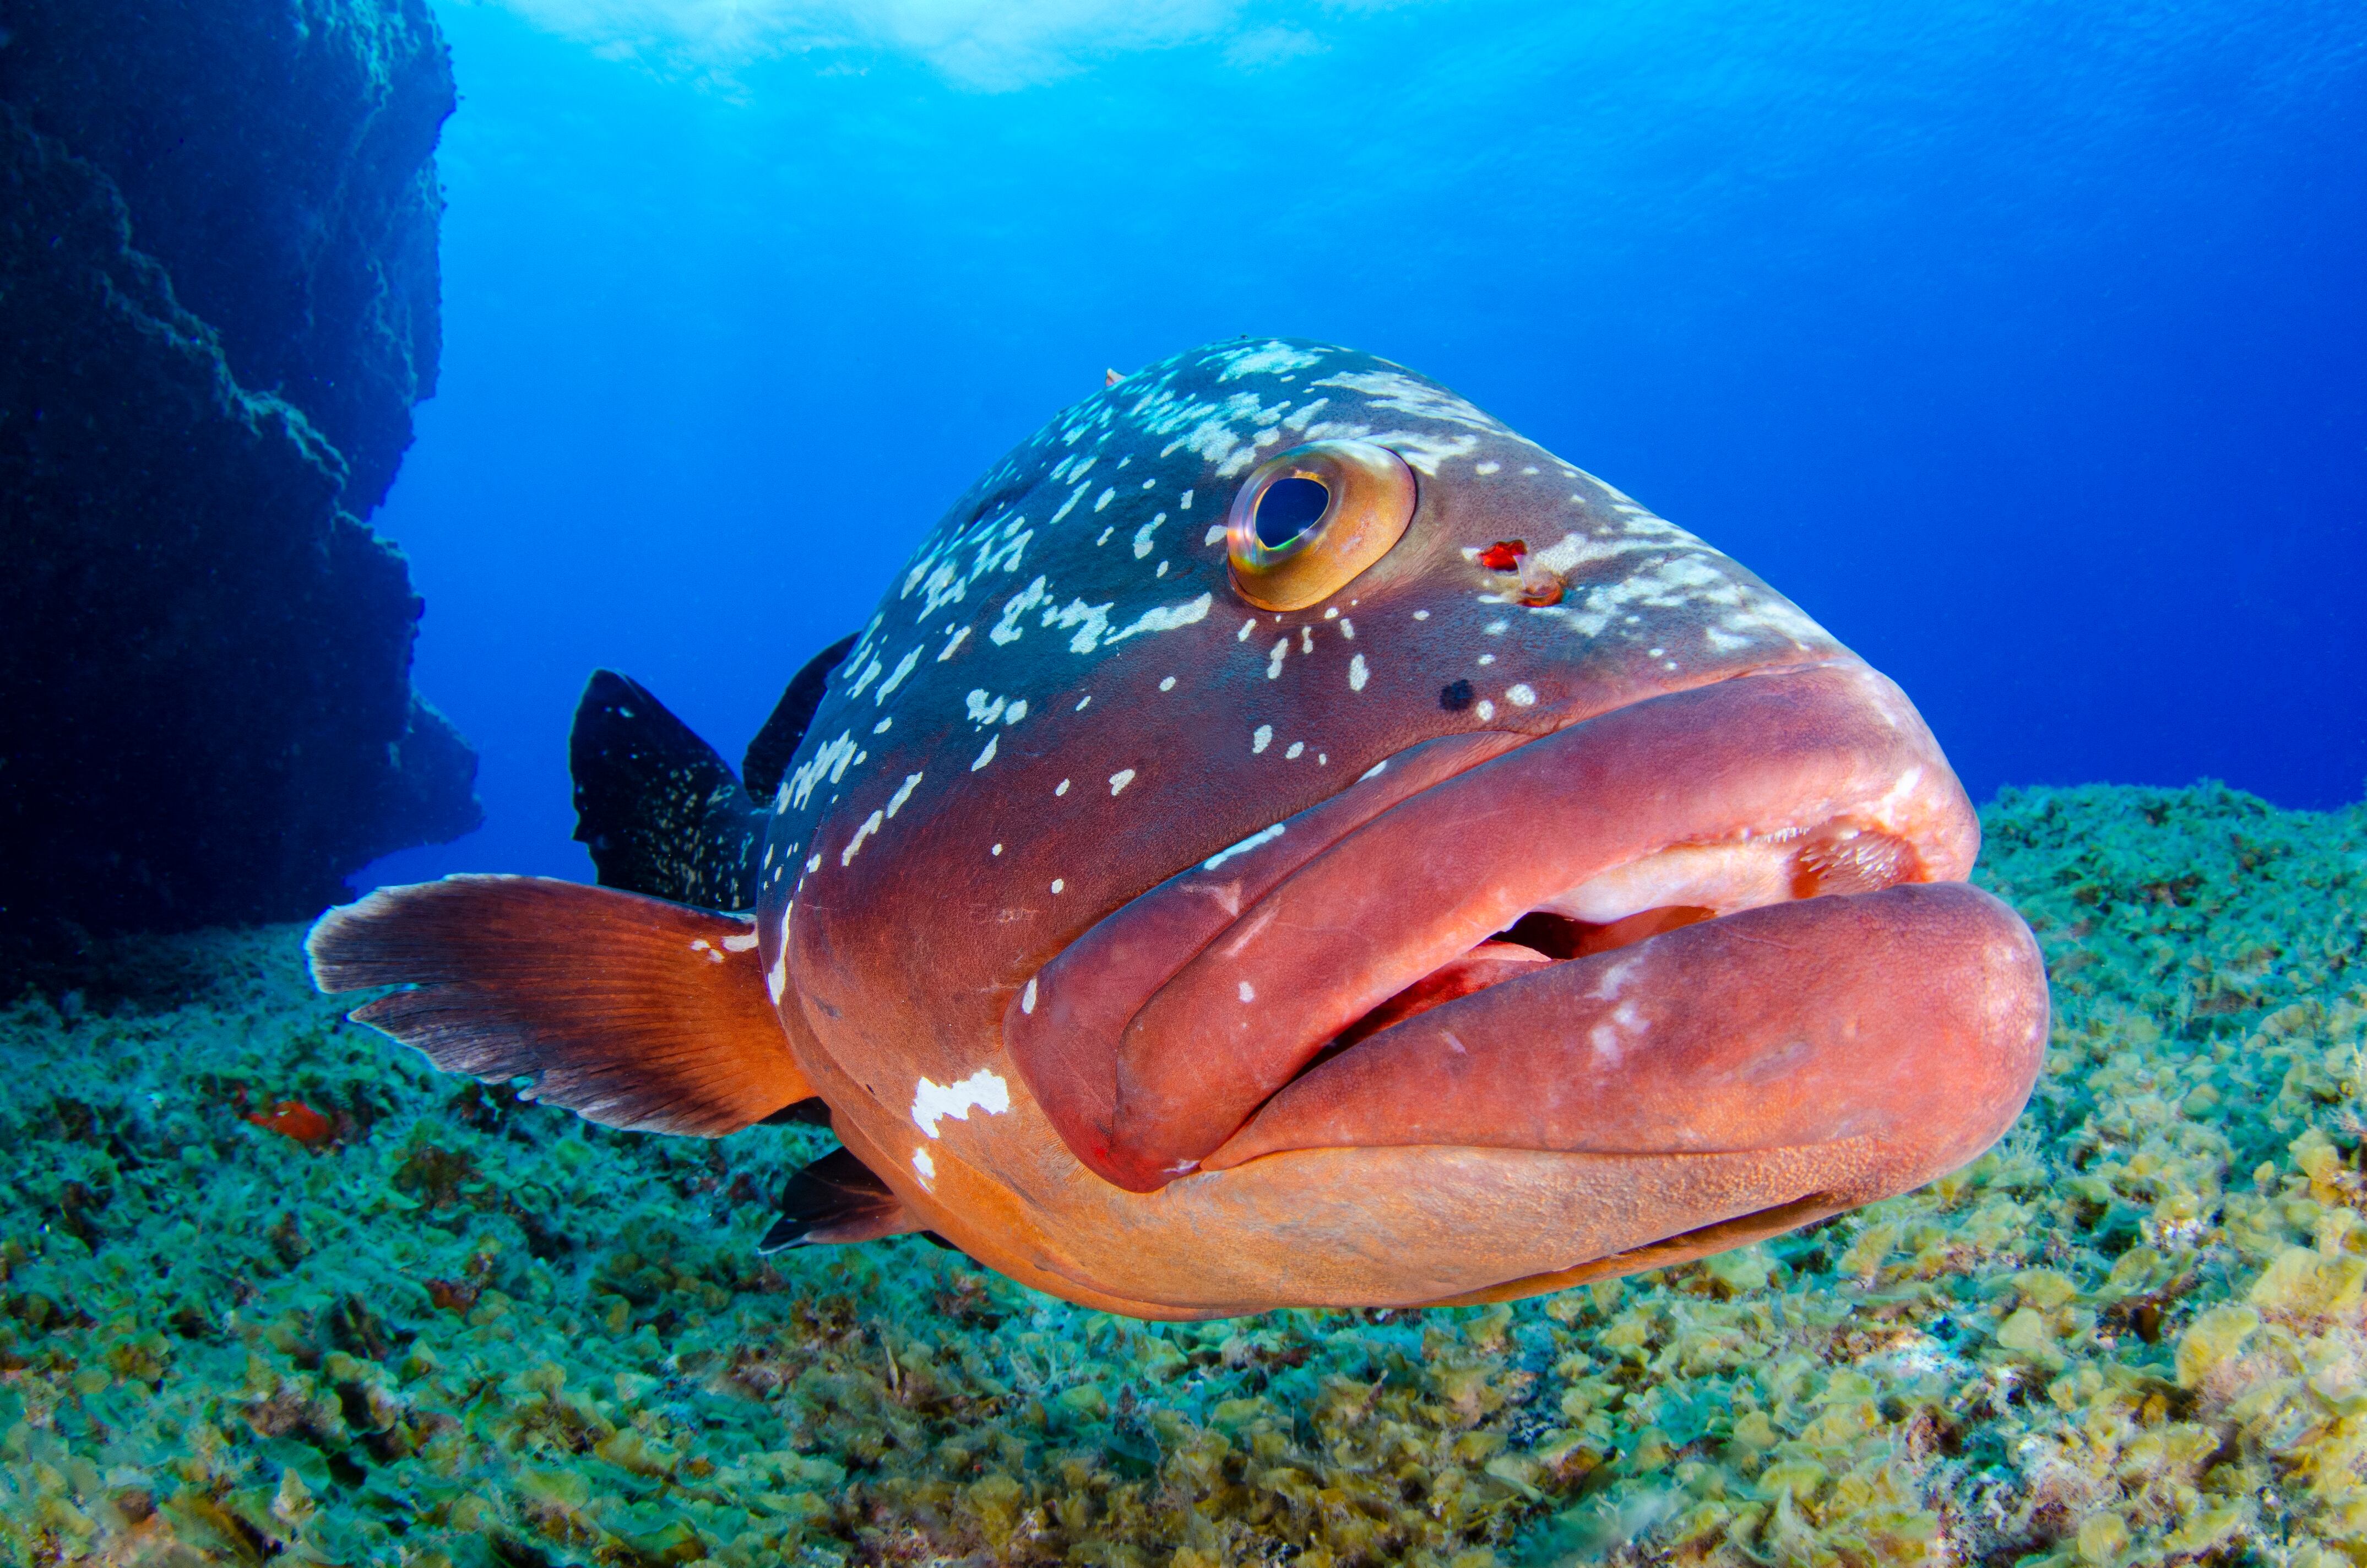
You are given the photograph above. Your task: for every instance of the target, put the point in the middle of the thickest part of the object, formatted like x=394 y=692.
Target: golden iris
x=1308 y=520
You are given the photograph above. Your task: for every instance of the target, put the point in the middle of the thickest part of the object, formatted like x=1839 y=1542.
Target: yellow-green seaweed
x=469 y=1332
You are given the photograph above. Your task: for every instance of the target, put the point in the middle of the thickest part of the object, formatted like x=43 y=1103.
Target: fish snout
x=1702 y=966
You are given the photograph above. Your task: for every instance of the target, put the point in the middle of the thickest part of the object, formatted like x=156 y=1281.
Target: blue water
x=2023 y=345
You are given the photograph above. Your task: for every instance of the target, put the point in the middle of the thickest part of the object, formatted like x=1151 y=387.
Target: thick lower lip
x=1912 y=1015
x=1155 y=1039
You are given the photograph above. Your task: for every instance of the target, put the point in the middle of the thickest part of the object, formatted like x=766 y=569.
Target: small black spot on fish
x=1455 y=696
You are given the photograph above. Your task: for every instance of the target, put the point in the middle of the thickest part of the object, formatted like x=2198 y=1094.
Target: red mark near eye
x=1504 y=555
x=294 y=1118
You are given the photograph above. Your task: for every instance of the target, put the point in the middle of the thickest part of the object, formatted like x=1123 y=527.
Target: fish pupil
x=1289 y=508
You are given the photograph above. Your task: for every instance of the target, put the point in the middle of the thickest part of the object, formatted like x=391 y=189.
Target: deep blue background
x=2023 y=345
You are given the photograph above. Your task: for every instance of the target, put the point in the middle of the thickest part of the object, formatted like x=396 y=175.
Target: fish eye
x=1291 y=506
x=1308 y=520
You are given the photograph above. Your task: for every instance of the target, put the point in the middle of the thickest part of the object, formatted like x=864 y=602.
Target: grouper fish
x=1284 y=840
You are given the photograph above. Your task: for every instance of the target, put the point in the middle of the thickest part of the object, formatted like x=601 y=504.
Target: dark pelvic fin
x=630 y=1012
x=836 y=1198
x=768 y=755
x=661 y=813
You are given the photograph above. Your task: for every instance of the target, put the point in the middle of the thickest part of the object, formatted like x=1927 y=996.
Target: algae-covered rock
x=218 y=304
x=456 y=1329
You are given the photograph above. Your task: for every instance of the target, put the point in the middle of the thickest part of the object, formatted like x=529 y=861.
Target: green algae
x=458 y=1331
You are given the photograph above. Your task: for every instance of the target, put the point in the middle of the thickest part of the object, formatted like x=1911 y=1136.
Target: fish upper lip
x=1159 y=1032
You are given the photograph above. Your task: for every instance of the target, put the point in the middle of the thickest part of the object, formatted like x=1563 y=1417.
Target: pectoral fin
x=630 y=1011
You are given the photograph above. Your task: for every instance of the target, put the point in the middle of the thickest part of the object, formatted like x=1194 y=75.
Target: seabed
x=272 y=1288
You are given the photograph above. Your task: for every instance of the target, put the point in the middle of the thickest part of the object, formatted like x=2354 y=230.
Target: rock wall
x=218 y=303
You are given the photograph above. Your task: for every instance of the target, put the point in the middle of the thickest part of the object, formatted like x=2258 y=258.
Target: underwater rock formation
x=218 y=304
x=269 y=1285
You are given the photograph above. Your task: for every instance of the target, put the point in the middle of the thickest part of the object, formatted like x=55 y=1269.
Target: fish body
x=1487 y=887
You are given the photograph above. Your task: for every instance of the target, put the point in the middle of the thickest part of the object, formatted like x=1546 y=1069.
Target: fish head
x=1286 y=838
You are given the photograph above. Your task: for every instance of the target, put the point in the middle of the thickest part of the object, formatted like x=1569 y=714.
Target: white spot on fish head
x=1249 y=991
x=1521 y=695
x=1615 y=980
x=1261 y=738
x=1606 y=1044
x=870 y=825
x=1120 y=779
x=982 y=1090
x=1027 y=997
x=1262 y=836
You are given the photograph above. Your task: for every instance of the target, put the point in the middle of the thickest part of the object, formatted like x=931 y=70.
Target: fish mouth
x=1722 y=919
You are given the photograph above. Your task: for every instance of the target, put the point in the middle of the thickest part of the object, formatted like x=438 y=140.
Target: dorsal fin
x=660 y=811
x=630 y=1012
x=836 y=1198
x=768 y=755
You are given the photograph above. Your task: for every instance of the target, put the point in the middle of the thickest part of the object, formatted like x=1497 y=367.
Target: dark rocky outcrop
x=218 y=303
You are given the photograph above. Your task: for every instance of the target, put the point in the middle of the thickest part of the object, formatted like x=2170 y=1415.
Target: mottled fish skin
x=1070 y=620
x=1061 y=703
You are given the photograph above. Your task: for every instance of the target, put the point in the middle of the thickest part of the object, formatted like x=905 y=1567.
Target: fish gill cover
x=421 y=1322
